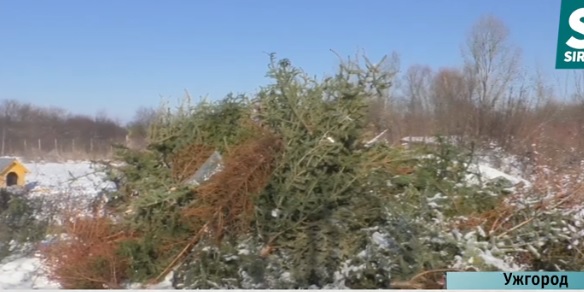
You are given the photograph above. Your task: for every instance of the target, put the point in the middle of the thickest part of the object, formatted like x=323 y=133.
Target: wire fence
x=59 y=148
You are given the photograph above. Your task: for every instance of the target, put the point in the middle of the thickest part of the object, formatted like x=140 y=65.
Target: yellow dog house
x=12 y=172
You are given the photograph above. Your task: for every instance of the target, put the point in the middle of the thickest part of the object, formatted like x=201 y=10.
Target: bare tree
x=578 y=81
x=143 y=118
x=492 y=64
x=138 y=127
x=416 y=92
x=453 y=109
x=145 y=115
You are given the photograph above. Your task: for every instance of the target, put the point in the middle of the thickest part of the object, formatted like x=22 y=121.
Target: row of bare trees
x=470 y=100
x=491 y=97
x=26 y=128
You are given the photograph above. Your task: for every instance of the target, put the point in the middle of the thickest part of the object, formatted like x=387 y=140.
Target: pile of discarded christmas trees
x=289 y=189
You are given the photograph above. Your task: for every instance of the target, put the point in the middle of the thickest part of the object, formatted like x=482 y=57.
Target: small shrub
x=21 y=221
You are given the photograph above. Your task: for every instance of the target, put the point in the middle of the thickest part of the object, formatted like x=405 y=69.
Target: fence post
x=3 y=139
x=73 y=145
x=57 y=146
x=40 y=145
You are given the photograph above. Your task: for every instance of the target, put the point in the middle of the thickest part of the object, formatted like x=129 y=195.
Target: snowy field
x=79 y=180
x=52 y=180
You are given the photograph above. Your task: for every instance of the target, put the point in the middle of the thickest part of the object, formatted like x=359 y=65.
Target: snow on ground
x=489 y=173
x=82 y=181
x=78 y=180
x=24 y=273
x=52 y=180
x=74 y=178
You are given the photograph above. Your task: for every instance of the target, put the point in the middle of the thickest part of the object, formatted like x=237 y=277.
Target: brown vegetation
x=226 y=201
x=88 y=258
x=50 y=133
x=490 y=98
x=484 y=101
x=188 y=160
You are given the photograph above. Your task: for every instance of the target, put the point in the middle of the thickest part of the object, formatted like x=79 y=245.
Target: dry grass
x=492 y=221
x=38 y=156
x=557 y=188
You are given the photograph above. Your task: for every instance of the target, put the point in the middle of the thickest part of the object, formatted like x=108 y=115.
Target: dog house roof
x=5 y=162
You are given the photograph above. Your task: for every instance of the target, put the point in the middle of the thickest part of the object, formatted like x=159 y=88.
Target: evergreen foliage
x=20 y=221
x=299 y=200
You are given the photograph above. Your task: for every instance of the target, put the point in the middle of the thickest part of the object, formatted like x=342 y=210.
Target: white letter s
x=568 y=57
x=577 y=26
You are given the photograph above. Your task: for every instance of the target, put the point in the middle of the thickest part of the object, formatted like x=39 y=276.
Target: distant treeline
x=25 y=127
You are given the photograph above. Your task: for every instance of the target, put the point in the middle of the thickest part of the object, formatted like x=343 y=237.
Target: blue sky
x=117 y=55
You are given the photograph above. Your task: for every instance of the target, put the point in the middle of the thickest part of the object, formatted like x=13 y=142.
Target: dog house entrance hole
x=11 y=179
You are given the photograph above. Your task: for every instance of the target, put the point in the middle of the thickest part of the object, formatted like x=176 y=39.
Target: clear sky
x=117 y=55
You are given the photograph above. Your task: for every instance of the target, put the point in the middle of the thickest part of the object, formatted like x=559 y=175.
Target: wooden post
x=57 y=146
x=3 y=139
x=73 y=145
x=40 y=145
